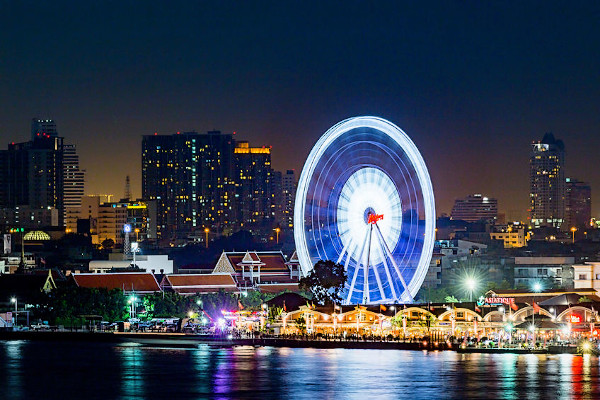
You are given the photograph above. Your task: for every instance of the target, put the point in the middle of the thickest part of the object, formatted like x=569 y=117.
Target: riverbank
x=520 y=350
x=176 y=339
x=192 y=340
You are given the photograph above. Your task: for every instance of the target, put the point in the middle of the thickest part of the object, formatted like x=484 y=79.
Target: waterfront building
x=578 y=204
x=128 y=282
x=475 y=208
x=547 y=182
x=572 y=313
x=267 y=271
x=191 y=284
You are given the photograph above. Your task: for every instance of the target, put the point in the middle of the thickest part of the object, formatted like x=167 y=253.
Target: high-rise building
x=578 y=204
x=32 y=172
x=43 y=128
x=474 y=208
x=277 y=198
x=254 y=188
x=189 y=176
x=289 y=196
x=547 y=182
x=74 y=178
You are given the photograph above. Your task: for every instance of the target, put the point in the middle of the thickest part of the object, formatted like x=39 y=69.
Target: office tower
x=547 y=182
x=578 y=204
x=254 y=195
x=277 y=198
x=74 y=179
x=289 y=183
x=189 y=176
x=474 y=208
x=33 y=172
x=215 y=178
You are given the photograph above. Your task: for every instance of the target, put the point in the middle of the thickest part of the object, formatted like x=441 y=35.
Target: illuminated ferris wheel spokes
x=364 y=199
x=366 y=266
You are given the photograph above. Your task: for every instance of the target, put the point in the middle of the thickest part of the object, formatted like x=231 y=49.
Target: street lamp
x=135 y=247
x=573 y=229
x=471 y=284
x=14 y=300
x=206 y=231
x=277 y=230
x=537 y=287
x=132 y=301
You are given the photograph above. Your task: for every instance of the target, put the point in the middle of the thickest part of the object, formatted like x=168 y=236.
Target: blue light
x=367 y=165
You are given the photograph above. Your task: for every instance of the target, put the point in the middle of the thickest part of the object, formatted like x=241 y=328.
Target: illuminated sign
x=574 y=319
x=495 y=301
x=126 y=228
x=373 y=218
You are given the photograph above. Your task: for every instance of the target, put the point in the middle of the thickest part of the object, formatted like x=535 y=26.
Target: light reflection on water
x=59 y=370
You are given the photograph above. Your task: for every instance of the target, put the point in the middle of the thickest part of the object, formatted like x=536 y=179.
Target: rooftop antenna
x=127 y=189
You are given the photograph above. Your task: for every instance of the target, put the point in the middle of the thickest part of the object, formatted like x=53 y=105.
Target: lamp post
x=277 y=230
x=206 y=231
x=537 y=287
x=200 y=310
x=134 y=249
x=471 y=286
x=393 y=308
x=14 y=300
x=573 y=229
x=132 y=301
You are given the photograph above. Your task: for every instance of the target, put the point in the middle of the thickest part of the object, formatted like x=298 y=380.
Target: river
x=88 y=370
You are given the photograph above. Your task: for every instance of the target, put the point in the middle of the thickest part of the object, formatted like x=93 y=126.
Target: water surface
x=61 y=370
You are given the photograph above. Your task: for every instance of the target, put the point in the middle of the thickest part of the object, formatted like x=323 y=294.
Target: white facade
x=529 y=270
x=587 y=276
x=150 y=263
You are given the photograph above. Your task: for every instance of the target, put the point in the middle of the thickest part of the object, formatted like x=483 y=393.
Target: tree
x=67 y=304
x=326 y=282
x=108 y=244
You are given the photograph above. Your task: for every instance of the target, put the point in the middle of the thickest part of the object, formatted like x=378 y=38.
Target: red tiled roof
x=277 y=287
x=270 y=261
x=274 y=262
x=134 y=281
x=200 y=280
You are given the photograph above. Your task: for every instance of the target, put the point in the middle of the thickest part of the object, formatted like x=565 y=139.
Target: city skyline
x=472 y=87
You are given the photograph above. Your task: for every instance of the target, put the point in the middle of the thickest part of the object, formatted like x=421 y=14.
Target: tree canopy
x=326 y=282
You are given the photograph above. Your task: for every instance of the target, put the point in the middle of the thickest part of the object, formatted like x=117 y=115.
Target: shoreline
x=192 y=340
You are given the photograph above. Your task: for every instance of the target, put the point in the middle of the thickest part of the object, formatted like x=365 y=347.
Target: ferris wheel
x=365 y=200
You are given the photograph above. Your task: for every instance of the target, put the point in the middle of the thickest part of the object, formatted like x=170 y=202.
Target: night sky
x=472 y=83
